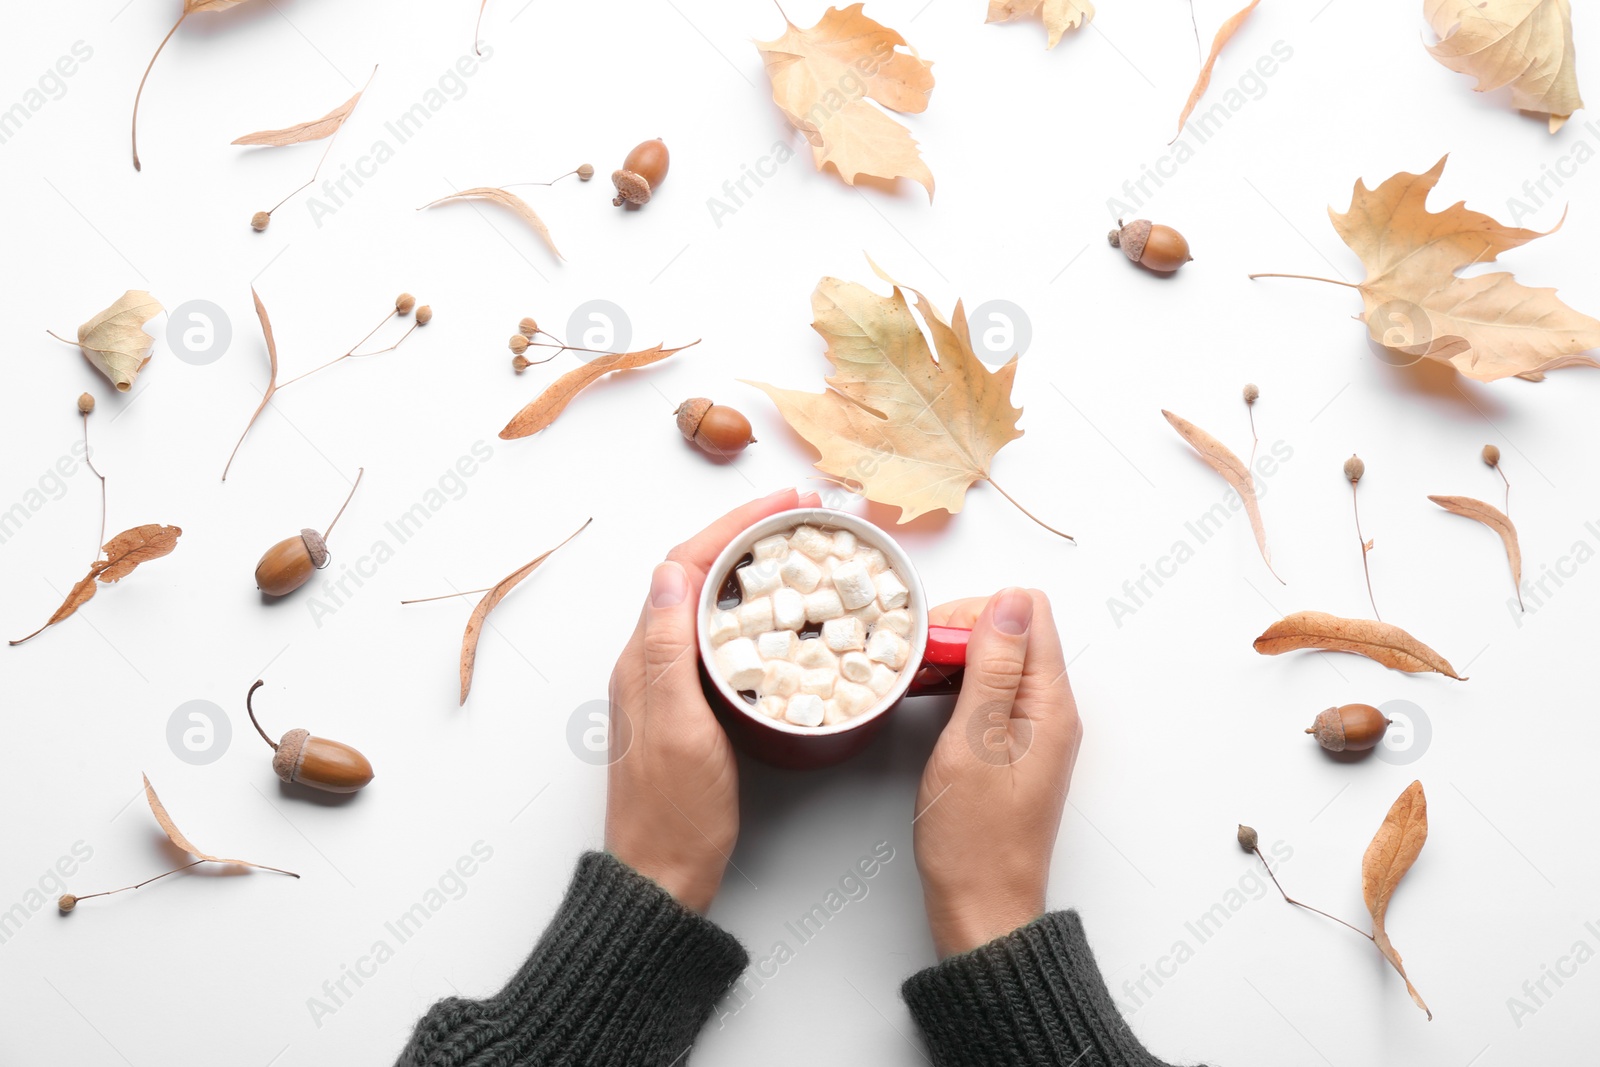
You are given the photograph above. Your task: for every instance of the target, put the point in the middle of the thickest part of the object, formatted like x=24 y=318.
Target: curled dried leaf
x=469 y=639
x=1380 y=642
x=1225 y=34
x=542 y=411
x=1393 y=850
x=505 y=199
x=1220 y=459
x=115 y=340
x=1496 y=520
x=1059 y=15
x=1526 y=45
x=123 y=552
x=159 y=810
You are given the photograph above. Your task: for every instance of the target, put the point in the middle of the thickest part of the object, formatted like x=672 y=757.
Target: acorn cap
x=1329 y=730
x=291 y=751
x=630 y=188
x=317 y=547
x=689 y=413
x=1131 y=238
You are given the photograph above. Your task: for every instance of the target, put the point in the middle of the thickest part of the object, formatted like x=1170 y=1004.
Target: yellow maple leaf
x=822 y=78
x=911 y=432
x=1526 y=44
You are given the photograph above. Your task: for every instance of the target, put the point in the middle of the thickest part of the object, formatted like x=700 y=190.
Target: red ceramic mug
x=934 y=663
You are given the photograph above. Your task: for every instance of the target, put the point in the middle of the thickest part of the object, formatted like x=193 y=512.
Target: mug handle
x=942 y=662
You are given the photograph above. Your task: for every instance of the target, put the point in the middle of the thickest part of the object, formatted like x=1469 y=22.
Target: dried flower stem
x=1366 y=546
x=89 y=459
x=137 y=885
x=1503 y=478
x=359 y=472
x=552 y=181
x=1255 y=440
x=352 y=352
x=1299 y=904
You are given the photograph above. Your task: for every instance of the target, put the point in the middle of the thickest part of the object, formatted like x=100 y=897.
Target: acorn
x=287 y=565
x=1351 y=728
x=314 y=761
x=642 y=172
x=1151 y=245
x=713 y=428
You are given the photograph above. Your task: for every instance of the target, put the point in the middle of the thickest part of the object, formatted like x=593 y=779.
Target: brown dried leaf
x=505 y=199
x=315 y=130
x=115 y=341
x=272 y=377
x=1059 y=15
x=1393 y=850
x=1222 y=460
x=1526 y=44
x=1378 y=641
x=159 y=810
x=1496 y=520
x=822 y=78
x=1225 y=34
x=542 y=411
x=469 y=639
x=123 y=552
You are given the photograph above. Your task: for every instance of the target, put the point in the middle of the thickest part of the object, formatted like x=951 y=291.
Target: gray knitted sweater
x=625 y=975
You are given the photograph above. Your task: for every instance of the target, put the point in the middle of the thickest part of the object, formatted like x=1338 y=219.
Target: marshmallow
x=844 y=635
x=868 y=613
x=780 y=679
x=740 y=664
x=823 y=605
x=773 y=707
x=814 y=654
x=777 y=644
x=853 y=699
x=891 y=590
x=788 y=609
x=855 y=666
x=724 y=627
x=854 y=582
x=888 y=648
x=812 y=541
x=819 y=682
x=804 y=710
x=832 y=714
x=755 y=616
x=844 y=544
x=883 y=679
x=872 y=557
x=898 y=620
x=798 y=572
x=759 y=579
x=774 y=547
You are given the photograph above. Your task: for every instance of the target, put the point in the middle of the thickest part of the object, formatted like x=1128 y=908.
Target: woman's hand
x=672 y=792
x=992 y=794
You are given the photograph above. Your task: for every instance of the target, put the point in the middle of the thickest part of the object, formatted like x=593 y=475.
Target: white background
x=1188 y=731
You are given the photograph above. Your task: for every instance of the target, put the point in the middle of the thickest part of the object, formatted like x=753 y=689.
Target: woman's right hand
x=989 y=806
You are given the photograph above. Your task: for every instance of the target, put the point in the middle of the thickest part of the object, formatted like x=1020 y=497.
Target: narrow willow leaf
x=542 y=411
x=1496 y=520
x=505 y=199
x=1393 y=850
x=1220 y=459
x=1378 y=641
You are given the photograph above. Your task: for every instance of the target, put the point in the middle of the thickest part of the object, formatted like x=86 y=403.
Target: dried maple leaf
x=1526 y=44
x=469 y=639
x=115 y=341
x=1488 y=326
x=911 y=432
x=542 y=411
x=505 y=199
x=1220 y=459
x=190 y=7
x=159 y=810
x=1393 y=850
x=1378 y=641
x=123 y=552
x=1059 y=15
x=1496 y=520
x=1225 y=34
x=822 y=78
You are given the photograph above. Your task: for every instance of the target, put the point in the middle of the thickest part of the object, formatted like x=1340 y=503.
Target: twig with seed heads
x=1353 y=470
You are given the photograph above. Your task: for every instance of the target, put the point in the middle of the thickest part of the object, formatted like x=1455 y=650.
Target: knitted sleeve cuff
x=1034 y=996
x=624 y=974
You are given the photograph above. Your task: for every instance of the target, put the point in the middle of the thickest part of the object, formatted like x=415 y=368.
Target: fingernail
x=668 y=585
x=775 y=496
x=1013 y=611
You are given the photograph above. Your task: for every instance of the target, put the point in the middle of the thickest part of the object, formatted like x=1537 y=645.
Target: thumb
x=670 y=656
x=996 y=661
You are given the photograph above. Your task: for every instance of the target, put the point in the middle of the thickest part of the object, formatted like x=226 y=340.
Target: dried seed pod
x=520 y=363
x=1354 y=468
x=67 y=903
x=714 y=428
x=404 y=303
x=585 y=172
x=1151 y=245
x=1247 y=838
x=518 y=343
x=1350 y=728
x=287 y=565
x=641 y=174
x=528 y=327
x=85 y=403
x=314 y=761
x=1491 y=455
x=260 y=220
x=424 y=315
x=1251 y=393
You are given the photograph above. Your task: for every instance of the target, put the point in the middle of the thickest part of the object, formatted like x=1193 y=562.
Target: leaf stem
x=137 y=885
x=359 y=472
x=447 y=596
x=1308 y=278
x=1356 y=505
x=63 y=340
x=249 y=708
x=89 y=459
x=140 y=93
x=1308 y=907
x=1028 y=513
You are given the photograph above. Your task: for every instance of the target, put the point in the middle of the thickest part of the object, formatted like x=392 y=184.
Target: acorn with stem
x=298 y=757
x=287 y=565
